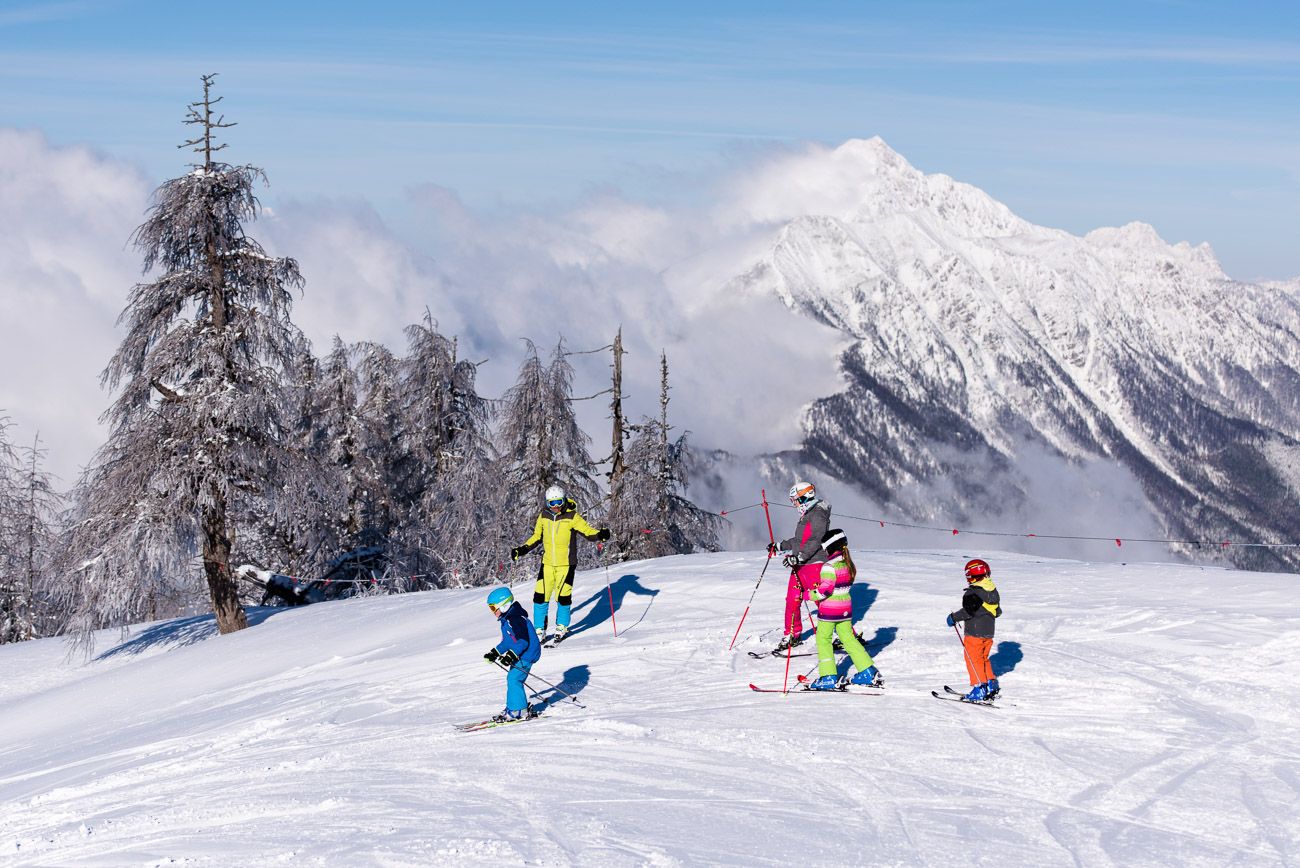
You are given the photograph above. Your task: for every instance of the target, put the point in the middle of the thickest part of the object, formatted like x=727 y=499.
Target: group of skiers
x=821 y=571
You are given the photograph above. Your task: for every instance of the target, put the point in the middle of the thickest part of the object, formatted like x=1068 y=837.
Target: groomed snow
x=1150 y=717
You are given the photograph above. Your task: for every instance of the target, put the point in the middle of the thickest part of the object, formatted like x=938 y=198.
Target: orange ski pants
x=977 y=659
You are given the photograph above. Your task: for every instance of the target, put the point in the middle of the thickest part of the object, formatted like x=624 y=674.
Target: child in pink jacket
x=835 y=617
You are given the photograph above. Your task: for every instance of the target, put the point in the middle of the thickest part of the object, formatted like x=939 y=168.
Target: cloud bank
x=741 y=367
x=65 y=269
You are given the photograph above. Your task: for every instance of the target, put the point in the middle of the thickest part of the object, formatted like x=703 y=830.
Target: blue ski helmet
x=500 y=599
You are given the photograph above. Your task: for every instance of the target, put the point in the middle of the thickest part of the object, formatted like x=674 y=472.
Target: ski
x=779 y=654
x=957 y=696
x=803 y=688
x=490 y=723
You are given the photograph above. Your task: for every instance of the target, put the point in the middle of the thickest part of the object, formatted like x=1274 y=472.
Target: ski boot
x=826 y=682
x=869 y=677
x=991 y=689
x=507 y=715
x=978 y=693
x=786 y=643
x=560 y=634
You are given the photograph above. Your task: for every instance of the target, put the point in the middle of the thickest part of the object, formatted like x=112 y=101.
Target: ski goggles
x=555 y=504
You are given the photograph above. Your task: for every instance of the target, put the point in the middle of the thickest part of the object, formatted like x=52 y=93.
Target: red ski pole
x=760 y=575
x=600 y=550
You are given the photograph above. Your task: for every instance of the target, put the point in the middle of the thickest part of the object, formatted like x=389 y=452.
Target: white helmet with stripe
x=803 y=495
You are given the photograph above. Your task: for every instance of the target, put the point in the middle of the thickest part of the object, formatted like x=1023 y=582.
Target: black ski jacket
x=980 y=607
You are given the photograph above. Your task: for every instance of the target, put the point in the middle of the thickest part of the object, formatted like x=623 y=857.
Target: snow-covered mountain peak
x=1139 y=243
x=876 y=156
x=978 y=332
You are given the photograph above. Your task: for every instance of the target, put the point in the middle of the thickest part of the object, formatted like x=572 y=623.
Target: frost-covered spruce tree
x=541 y=441
x=650 y=515
x=464 y=507
x=426 y=375
x=33 y=546
x=197 y=434
x=337 y=442
x=13 y=602
x=451 y=475
x=380 y=411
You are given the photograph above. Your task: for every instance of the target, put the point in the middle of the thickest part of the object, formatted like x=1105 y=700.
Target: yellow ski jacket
x=558 y=535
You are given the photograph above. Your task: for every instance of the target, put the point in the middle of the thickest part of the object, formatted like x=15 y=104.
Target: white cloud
x=65 y=270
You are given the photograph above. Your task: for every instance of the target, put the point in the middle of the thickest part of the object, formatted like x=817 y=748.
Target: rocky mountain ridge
x=982 y=341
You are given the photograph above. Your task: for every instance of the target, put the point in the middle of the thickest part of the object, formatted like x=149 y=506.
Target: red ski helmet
x=977 y=569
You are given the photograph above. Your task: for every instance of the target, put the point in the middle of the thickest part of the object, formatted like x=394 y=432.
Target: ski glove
x=509 y=659
x=772 y=550
x=518 y=552
x=951 y=622
x=602 y=534
x=791 y=561
x=492 y=656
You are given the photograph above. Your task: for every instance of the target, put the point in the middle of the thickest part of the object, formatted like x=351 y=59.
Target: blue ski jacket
x=518 y=635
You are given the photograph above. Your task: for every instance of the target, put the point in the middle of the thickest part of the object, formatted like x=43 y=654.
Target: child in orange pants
x=981 y=606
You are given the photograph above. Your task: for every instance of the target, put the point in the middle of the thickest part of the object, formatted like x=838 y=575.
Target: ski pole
x=600 y=549
x=760 y=575
x=964 y=652
x=785 y=683
x=528 y=675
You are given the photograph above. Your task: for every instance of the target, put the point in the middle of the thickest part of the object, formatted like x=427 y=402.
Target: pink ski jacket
x=834 y=602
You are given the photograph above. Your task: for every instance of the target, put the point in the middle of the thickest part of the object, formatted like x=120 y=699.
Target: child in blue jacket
x=517 y=651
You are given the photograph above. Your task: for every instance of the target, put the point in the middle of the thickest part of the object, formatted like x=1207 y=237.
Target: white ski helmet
x=555 y=497
x=803 y=495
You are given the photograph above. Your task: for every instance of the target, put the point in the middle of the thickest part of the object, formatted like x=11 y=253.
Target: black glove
x=602 y=534
x=518 y=552
x=791 y=561
x=492 y=656
x=509 y=659
x=772 y=550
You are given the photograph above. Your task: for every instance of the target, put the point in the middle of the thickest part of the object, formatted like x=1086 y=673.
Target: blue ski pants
x=516 y=696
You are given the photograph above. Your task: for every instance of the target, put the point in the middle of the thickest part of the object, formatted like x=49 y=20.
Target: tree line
x=231 y=442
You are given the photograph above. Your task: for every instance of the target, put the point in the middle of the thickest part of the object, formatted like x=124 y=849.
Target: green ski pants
x=825 y=645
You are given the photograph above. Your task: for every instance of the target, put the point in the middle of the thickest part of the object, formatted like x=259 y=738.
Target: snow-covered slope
x=1149 y=719
x=984 y=343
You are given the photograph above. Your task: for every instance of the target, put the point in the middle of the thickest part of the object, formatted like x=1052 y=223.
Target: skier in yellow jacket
x=556 y=531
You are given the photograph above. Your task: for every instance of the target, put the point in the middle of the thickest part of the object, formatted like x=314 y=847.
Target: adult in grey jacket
x=805 y=557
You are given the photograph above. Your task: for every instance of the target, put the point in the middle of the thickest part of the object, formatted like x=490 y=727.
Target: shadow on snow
x=179 y=632
x=597 y=606
x=574 y=680
x=1006 y=657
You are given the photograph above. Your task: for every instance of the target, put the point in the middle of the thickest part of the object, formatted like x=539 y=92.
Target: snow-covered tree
x=13 y=601
x=427 y=373
x=541 y=441
x=337 y=443
x=32 y=539
x=197 y=431
x=294 y=531
x=650 y=515
x=380 y=411
x=453 y=477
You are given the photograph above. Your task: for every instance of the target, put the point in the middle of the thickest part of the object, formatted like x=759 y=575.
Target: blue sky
x=1077 y=115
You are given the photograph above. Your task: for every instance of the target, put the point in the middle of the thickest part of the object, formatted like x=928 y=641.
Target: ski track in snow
x=1149 y=719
